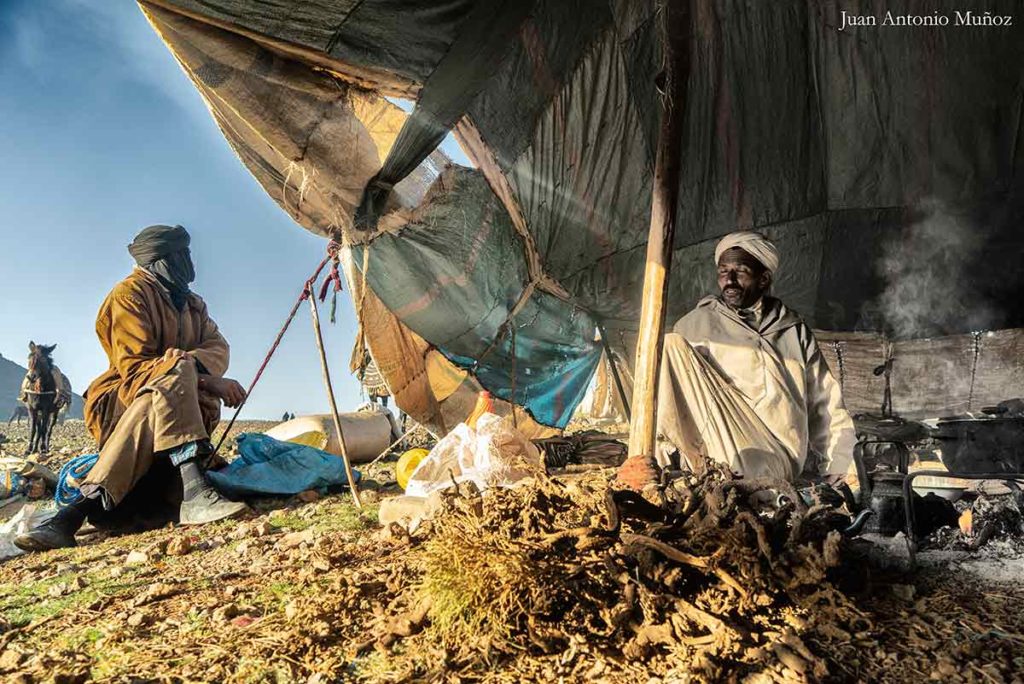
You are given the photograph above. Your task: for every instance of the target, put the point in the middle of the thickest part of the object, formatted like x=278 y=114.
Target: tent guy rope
x=332 y=255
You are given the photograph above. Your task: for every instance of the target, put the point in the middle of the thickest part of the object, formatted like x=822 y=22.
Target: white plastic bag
x=495 y=454
x=503 y=455
x=28 y=518
x=444 y=462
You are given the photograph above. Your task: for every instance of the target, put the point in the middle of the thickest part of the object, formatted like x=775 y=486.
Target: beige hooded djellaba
x=757 y=396
x=144 y=404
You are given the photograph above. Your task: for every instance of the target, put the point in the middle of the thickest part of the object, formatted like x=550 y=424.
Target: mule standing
x=40 y=397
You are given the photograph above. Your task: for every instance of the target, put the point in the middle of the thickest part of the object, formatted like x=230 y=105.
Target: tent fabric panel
x=462 y=275
x=642 y=49
x=631 y=15
x=485 y=38
x=854 y=242
x=917 y=112
x=932 y=377
x=554 y=359
x=852 y=358
x=311 y=141
x=582 y=200
x=612 y=286
x=406 y=37
x=999 y=368
x=425 y=384
x=602 y=403
x=455 y=270
x=309 y=23
x=549 y=45
x=753 y=153
x=270 y=114
x=398 y=352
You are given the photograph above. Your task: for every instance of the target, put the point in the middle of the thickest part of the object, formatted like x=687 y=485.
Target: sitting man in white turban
x=743 y=381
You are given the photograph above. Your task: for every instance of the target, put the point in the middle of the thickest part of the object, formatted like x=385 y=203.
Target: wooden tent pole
x=330 y=397
x=664 y=202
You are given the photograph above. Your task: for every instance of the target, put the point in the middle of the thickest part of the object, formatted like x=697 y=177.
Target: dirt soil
x=313 y=590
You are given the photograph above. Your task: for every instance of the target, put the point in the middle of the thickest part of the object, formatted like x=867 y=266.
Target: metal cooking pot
x=981 y=445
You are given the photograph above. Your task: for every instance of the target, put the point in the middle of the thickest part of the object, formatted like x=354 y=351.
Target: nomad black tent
x=885 y=161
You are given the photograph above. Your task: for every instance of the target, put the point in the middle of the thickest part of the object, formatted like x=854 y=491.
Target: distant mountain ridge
x=11 y=375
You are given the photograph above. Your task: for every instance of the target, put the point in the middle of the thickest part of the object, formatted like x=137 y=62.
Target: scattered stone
x=291 y=610
x=65 y=588
x=137 y=558
x=158 y=592
x=224 y=613
x=261 y=529
x=308 y=496
x=904 y=591
x=11 y=659
x=296 y=539
x=137 y=619
x=394 y=532
x=157 y=549
x=243 y=547
x=370 y=496
x=116 y=571
x=401 y=509
x=321 y=562
x=243 y=620
x=179 y=546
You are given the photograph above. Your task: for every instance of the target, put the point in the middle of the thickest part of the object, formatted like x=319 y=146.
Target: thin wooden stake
x=615 y=373
x=664 y=201
x=330 y=397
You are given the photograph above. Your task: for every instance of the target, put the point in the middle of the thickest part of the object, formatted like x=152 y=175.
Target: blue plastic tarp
x=267 y=467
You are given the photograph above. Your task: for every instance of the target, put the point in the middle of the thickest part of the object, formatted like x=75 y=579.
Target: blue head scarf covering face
x=164 y=252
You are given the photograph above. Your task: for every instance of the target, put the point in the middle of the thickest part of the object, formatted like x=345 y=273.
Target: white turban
x=754 y=244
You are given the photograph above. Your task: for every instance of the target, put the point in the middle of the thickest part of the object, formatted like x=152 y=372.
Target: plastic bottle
x=484 y=404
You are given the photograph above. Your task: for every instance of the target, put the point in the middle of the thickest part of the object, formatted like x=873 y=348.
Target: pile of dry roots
x=719 y=581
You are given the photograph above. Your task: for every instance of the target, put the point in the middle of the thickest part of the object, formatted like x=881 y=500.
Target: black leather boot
x=59 y=531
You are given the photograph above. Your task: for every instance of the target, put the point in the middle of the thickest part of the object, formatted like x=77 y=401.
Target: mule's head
x=40 y=360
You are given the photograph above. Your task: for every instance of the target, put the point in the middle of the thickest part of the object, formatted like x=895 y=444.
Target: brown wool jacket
x=136 y=324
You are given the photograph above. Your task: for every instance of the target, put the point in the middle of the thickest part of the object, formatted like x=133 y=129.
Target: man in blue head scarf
x=161 y=396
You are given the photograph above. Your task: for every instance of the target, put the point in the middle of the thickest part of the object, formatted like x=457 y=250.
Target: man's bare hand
x=232 y=393
x=173 y=353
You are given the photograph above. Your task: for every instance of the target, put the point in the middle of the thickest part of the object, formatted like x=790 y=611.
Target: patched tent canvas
x=837 y=144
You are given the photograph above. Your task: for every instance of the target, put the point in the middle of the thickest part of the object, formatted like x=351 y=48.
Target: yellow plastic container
x=313 y=438
x=407 y=464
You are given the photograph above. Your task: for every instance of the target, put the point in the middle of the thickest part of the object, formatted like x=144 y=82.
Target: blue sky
x=103 y=134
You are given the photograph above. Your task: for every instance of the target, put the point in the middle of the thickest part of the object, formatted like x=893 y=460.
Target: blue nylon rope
x=76 y=468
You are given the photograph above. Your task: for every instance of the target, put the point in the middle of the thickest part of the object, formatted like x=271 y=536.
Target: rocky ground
x=311 y=589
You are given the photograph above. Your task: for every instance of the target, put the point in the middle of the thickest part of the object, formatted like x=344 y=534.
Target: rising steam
x=929 y=279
